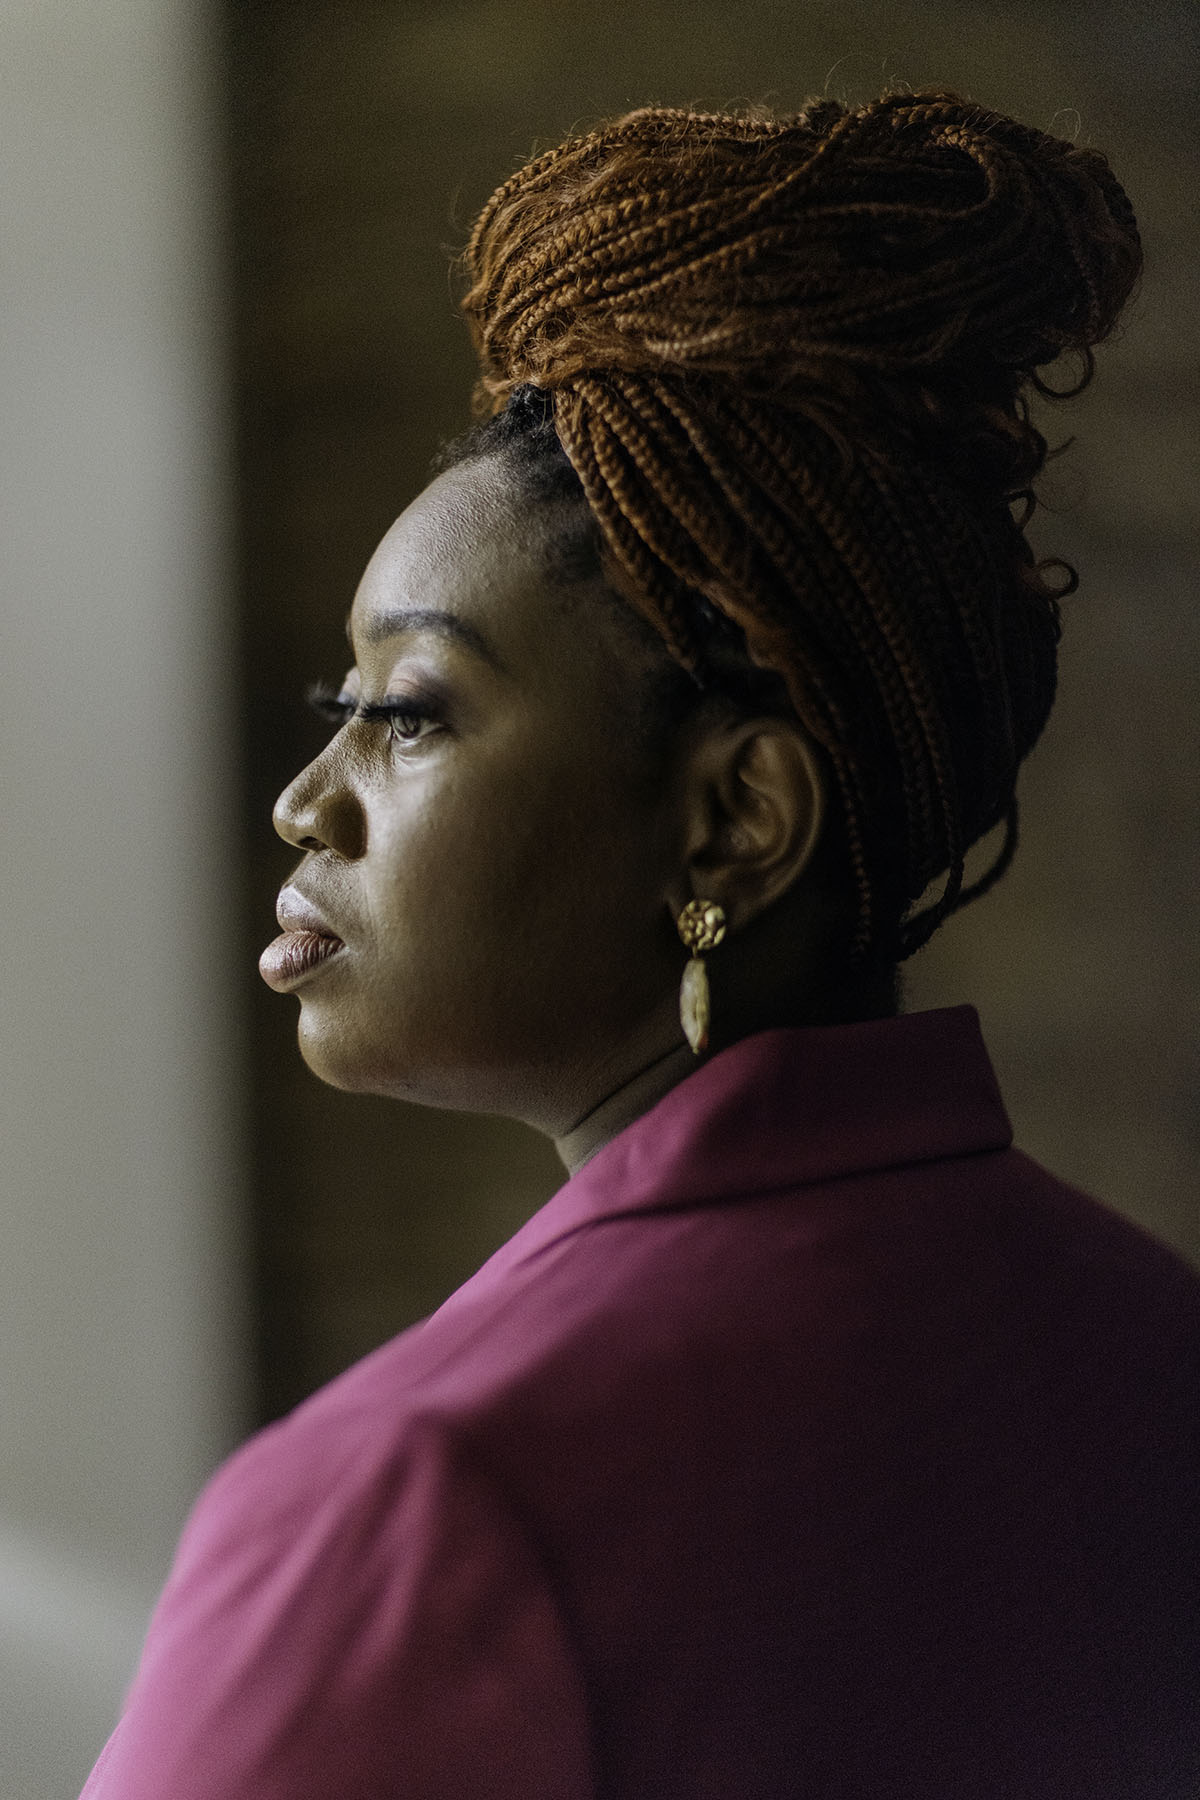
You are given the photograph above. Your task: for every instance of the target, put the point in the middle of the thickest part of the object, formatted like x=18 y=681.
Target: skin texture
x=506 y=873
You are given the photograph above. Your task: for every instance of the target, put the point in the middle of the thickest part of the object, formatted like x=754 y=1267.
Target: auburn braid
x=789 y=361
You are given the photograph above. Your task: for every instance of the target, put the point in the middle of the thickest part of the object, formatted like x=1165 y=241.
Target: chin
x=331 y=1059
x=358 y=1067
x=394 y=1073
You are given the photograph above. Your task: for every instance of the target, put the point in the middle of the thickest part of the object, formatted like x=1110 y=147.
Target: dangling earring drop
x=701 y=925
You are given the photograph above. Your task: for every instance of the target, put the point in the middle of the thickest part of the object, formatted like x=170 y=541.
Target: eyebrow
x=410 y=619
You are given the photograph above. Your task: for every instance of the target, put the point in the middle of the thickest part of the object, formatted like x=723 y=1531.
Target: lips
x=296 y=913
x=304 y=945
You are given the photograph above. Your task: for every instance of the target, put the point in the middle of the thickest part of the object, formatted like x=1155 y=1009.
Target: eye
x=406 y=715
x=328 y=704
x=407 y=718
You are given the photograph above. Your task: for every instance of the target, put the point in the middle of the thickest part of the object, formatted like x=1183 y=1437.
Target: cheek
x=509 y=913
x=577 y=895
x=523 y=888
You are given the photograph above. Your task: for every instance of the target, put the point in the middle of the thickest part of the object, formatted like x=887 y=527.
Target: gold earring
x=701 y=925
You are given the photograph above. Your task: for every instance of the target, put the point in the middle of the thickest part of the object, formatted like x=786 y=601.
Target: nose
x=319 y=810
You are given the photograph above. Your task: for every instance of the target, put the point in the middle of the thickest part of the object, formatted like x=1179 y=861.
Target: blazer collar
x=785 y=1108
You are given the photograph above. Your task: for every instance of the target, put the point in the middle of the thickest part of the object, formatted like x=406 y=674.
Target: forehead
x=465 y=547
x=476 y=550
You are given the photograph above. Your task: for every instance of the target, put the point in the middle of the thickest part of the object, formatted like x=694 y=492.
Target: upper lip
x=295 y=913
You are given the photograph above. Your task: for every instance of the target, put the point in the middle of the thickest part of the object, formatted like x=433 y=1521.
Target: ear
x=755 y=800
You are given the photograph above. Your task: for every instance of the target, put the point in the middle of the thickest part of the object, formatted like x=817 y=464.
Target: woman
x=811 y=1440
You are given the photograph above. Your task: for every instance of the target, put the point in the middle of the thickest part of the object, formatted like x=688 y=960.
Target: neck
x=623 y=1105
x=742 y=1006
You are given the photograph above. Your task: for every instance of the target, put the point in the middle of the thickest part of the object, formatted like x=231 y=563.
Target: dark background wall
x=364 y=136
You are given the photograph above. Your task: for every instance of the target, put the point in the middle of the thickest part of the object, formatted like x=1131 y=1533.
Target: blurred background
x=229 y=349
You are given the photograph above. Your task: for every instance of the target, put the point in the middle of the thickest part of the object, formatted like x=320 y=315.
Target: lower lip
x=293 y=957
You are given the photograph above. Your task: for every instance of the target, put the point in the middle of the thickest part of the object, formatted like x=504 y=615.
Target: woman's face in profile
x=480 y=833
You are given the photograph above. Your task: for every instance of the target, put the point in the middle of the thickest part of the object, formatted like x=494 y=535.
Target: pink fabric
x=810 y=1441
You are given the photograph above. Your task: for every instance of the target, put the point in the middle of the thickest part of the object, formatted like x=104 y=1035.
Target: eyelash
x=337 y=710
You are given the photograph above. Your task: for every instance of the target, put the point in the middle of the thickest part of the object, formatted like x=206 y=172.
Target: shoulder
x=354 y=1619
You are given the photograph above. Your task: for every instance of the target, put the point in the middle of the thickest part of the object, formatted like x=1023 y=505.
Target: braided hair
x=786 y=365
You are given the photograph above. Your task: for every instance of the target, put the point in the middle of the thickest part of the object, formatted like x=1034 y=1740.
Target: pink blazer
x=810 y=1442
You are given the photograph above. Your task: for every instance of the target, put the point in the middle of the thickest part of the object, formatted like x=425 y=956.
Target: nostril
x=319 y=811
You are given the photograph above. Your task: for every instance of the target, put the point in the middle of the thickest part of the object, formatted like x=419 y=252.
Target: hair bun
x=1025 y=245
x=787 y=360
x=917 y=233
